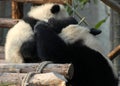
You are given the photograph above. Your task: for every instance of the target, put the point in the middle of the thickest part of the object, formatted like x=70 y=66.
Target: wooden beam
x=63 y=69
x=113 y=4
x=17 y=9
x=44 y=1
x=37 y=79
x=7 y=23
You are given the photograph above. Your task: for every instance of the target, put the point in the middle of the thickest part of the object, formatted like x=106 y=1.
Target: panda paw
x=53 y=22
x=41 y=24
x=70 y=34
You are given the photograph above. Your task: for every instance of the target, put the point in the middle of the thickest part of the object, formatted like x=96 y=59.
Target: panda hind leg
x=28 y=52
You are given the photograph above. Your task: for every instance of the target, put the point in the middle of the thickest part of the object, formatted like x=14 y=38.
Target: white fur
x=43 y=12
x=22 y=31
x=73 y=33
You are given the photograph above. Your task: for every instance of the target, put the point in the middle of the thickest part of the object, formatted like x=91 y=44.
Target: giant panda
x=77 y=45
x=20 y=44
x=91 y=66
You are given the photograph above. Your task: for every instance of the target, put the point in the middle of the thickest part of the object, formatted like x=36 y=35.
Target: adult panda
x=20 y=44
x=77 y=45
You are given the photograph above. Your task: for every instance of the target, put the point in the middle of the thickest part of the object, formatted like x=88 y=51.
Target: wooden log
x=7 y=23
x=2 y=61
x=44 y=79
x=44 y=1
x=64 y=69
x=113 y=4
x=17 y=10
x=114 y=52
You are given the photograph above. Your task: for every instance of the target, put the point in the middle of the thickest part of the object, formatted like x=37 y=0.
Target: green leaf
x=83 y=3
x=100 y=23
x=69 y=10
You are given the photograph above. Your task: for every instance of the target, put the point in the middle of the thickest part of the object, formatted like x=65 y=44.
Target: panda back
x=75 y=34
x=16 y=36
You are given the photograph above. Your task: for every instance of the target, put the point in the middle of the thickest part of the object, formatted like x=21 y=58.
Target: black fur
x=55 y=9
x=58 y=24
x=29 y=52
x=32 y=52
x=50 y=46
x=46 y=36
x=30 y=21
x=90 y=67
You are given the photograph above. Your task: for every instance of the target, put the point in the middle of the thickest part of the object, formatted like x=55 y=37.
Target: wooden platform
x=3 y=61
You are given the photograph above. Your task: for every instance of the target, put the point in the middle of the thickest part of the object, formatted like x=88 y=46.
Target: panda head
x=47 y=11
x=75 y=33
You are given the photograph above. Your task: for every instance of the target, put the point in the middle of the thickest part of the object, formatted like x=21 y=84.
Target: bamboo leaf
x=83 y=3
x=100 y=23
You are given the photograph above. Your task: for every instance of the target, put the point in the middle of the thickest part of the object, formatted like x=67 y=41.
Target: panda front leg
x=50 y=47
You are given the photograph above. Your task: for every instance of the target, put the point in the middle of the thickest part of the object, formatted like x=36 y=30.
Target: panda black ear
x=95 y=31
x=55 y=9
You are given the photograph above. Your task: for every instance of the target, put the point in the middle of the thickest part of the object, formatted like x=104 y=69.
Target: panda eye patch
x=55 y=9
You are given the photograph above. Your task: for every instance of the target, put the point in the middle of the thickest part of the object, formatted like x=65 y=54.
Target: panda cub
x=49 y=45
x=20 y=45
x=77 y=45
x=91 y=66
